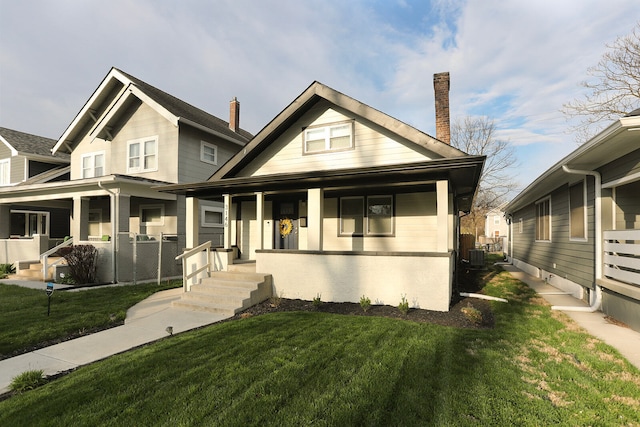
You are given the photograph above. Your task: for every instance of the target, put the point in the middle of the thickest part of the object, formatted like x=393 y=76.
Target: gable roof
x=617 y=140
x=315 y=93
x=117 y=91
x=31 y=146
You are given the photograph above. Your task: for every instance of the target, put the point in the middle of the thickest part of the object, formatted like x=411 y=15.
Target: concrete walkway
x=147 y=321
x=623 y=339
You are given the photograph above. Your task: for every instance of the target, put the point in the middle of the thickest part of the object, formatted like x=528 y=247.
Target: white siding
x=371 y=148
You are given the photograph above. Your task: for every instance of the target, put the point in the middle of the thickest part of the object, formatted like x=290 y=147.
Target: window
x=142 y=155
x=496 y=220
x=376 y=220
x=543 y=220
x=28 y=223
x=208 y=153
x=5 y=178
x=95 y=222
x=328 y=138
x=520 y=225
x=152 y=215
x=93 y=165
x=496 y=234
x=577 y=211
x=211 y=216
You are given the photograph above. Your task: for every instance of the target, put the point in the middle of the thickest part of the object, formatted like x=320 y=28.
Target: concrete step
x=227 y=292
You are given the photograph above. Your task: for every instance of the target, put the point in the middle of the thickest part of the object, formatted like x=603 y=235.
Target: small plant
x=473 y=314
x=6 y=269
x=365 y=303
x=27 y=380
x=83 y=263
x=404 y=305
x=66 y=279
x=317 y=301
x=276 y=300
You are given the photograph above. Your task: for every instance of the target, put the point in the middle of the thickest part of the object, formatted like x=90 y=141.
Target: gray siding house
x=128 y=138
x=578 y=225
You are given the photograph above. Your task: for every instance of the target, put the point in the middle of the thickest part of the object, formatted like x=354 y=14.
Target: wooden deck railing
x=622 y=256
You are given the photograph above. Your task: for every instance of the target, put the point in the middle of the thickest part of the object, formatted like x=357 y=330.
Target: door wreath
x=286 y=226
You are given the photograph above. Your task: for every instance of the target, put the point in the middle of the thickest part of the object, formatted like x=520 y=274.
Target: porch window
x=208 y=153
x=151 y=215
x=142 y=155
x=578 y=212
x=375 y=220
x=95 y=222
x=28 y=223
x=211 y=216
x=328 y=138
x=5 y=178
x=543 y=220
x=93 y=164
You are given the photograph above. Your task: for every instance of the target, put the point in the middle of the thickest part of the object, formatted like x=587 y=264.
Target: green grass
x=23 y=312
x=289 y=369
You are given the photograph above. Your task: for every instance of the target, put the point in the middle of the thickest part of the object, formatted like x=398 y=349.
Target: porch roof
x=463 y=174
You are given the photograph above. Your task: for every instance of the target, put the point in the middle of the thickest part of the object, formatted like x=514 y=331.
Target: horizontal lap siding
x=574 y=259
x=628 y=206
x=622 y=167
x=371 y=148
x=191 y=167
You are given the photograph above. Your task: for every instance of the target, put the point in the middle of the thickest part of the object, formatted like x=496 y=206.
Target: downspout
x=114 y=227
x=595 y=303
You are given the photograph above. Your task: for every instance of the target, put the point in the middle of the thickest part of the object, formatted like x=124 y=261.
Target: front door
x=285 y=216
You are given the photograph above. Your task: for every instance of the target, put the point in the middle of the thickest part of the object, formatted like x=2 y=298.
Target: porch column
x=5 y=221
x=80 y=229
x=260 y=218
x=442 y=206
x=192 y=222
x=122 y=213
x=227 y=221
x=315 y=207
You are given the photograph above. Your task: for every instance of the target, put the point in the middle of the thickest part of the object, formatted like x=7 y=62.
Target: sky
x=514 y=62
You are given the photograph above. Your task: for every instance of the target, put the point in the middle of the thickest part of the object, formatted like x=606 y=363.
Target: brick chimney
x=234 y=115
x=441 y=88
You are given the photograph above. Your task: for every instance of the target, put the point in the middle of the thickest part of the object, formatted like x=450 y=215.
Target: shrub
x=317 y=300
x=404 y=305
x=27 y=380
x=83 y=263
x=365 y=303
x=473 y=314
x=6 y=269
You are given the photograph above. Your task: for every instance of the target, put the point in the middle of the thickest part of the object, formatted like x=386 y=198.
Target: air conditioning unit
x=476 y=258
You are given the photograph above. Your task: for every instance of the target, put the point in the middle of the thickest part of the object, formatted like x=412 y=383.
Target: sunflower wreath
x=286 y=226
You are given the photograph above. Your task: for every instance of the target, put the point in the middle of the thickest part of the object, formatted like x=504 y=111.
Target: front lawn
x=536 y=367
x=24 y=324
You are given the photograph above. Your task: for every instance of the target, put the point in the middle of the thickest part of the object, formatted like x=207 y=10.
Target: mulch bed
x=462 y=314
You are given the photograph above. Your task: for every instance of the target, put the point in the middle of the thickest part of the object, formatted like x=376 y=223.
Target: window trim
x=204 y=144
x=155 y=206
x=141 y=141
x=99 y=222
x=327 y=137
x=93 y=155
x=8 y=173
x=365 y=216
x=204 y=210
x=537 y=204
x=585 y=236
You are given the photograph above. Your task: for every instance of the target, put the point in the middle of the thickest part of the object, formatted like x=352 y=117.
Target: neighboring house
x=126 y=139
x=336 y=199
x=27 y=158
x=496 y=229
x=578 y=225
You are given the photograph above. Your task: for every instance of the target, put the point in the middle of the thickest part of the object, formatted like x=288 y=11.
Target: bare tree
x=613 y=90
x=476 y=136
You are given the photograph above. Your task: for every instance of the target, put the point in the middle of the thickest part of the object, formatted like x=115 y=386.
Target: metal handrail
x=44 y=257
x=186 y=254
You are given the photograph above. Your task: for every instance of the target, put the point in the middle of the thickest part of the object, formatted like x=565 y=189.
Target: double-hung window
x=208 y=153
x=93 y=164
x=368 y=216
x=334 y=137
x=543 y=220
x=142 y=155
x=578 y=212
x=5 y=177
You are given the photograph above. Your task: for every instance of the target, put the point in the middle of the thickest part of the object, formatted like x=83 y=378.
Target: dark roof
x=184 y=110
x=26 y=143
